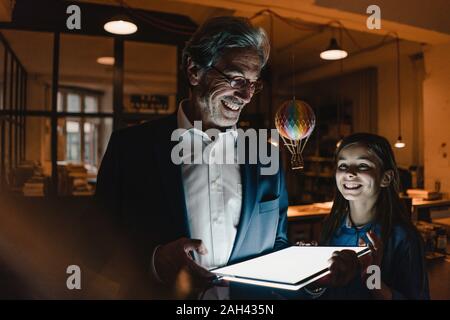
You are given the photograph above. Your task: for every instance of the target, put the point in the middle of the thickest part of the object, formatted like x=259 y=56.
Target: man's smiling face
x=219 y=104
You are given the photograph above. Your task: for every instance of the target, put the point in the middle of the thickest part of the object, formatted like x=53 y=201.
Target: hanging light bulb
x=107 y=61
x=399 y=143
x=333 y=52
x=120 y=25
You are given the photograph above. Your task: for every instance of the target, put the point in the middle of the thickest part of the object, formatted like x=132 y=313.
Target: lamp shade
x=108 y=61
x=333 y=52
x=120 y=25
x=399 y=143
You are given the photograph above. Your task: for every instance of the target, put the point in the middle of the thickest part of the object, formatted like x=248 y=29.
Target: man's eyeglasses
x=240 y=83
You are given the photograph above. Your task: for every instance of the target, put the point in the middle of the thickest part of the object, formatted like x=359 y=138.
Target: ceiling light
x=120 y=25
x=333 y=52
x=108 y=61
x=399 y=144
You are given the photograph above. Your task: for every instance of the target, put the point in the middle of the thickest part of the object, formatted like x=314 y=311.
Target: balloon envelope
x=295 y=120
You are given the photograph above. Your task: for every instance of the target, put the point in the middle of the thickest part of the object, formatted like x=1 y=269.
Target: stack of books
x=423 y=194
x=24 y=172
x=34 y=187
x=73 y=180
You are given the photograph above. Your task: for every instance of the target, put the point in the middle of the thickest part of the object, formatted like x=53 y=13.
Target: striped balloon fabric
x=295 y=120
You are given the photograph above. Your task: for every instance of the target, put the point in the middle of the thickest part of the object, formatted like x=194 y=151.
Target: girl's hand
x=376 y=247
x=376 y=252
x=344 y=266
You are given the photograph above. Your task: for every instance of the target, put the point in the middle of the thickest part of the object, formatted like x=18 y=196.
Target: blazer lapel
x=249 y=187
x=172 y=182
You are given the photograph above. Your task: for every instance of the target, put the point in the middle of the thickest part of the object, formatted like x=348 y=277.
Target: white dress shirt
x=213 y=191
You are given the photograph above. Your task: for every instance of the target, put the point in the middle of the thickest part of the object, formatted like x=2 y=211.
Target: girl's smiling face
x=359 y=173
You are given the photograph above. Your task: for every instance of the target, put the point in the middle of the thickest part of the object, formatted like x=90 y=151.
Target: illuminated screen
x=291 y=268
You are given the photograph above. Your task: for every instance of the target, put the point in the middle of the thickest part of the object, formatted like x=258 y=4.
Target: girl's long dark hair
x=390 y=210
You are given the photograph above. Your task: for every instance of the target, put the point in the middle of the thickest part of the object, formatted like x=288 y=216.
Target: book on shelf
x=31 y=193
x=73 y=180
x=34 y=187
x=77 y=182
x=76 y=174
x=82 y=193
x=28 y=179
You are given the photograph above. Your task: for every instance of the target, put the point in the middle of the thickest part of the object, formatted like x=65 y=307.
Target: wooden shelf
x=318 y=175
x=318 y=159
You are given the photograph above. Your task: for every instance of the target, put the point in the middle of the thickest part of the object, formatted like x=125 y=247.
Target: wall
x=436 y=96
x=6 y=10
x=410 y=110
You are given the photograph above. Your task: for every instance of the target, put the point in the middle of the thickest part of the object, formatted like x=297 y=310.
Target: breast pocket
x=269 y=206
x=265 y=224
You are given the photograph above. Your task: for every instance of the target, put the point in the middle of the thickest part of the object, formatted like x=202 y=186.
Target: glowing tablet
x=291 y=268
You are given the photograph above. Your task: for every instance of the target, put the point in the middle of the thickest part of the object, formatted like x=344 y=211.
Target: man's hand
x=173 y=259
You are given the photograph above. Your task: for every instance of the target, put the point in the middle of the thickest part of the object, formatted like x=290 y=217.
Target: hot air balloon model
x=295 y=121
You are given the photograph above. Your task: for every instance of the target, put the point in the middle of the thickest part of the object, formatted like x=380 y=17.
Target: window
x=81 y=134
x=73 y=141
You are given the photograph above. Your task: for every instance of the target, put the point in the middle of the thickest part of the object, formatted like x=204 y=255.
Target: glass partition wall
x=60 y=100
x=13 y=79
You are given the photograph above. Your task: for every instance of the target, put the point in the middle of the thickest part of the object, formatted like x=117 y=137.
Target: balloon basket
x=297 y=162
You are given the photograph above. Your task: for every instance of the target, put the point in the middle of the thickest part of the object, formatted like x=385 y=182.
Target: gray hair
x=220 y=33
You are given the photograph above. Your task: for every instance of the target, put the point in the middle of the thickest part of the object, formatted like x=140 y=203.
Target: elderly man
x=185 y=219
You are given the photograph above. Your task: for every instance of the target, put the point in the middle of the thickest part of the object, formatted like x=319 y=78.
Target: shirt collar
x=184 y=123
x=347 y=224
x=182 y=120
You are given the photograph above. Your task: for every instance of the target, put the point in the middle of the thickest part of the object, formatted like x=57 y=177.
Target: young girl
x=367 y=209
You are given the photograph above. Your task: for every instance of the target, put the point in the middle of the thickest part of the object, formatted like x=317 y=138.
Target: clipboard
x=290 y=269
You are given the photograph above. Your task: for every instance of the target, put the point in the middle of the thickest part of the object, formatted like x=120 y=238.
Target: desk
x=308 y=212
x=419 y=203
x=421 y=208
x=305 y=221
x=318 y=211
x=439 y=277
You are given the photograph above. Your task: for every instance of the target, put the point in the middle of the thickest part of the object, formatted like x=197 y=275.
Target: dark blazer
x=141 y=190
